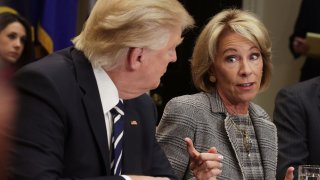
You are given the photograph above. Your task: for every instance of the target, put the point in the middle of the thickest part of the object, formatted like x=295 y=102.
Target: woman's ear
x=212 y=70
x=212 y=74
x=134 y=58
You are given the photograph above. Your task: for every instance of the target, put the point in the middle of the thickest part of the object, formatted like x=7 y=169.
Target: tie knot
x=118 y=109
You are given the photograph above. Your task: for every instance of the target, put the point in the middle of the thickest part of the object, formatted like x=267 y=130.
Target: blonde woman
x=231 y=64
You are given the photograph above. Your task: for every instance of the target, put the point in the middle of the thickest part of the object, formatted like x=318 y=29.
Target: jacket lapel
x=230 y=129
x=132 y=147
x=92 y=103
x=266 y=135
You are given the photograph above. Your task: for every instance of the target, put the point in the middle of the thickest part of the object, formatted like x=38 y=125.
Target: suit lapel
x=132 y=147
x=266 y=135
x=92 y=103
x=231 y=131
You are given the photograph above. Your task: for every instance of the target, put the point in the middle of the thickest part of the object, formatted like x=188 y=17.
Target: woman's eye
x=255 y=56
x=231 y=59
x=12 y=36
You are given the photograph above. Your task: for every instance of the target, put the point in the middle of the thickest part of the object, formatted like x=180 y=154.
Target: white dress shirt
x=109 y=97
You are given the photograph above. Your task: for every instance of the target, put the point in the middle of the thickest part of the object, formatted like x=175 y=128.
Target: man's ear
x=134 y=58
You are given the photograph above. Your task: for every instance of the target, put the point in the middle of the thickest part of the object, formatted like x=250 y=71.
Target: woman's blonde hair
x=116 y=25
x=242 y=22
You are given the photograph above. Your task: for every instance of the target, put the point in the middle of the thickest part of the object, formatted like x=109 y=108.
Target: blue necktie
x=117 y=134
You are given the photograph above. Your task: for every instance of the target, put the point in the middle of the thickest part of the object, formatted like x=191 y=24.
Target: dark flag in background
x=54 y=21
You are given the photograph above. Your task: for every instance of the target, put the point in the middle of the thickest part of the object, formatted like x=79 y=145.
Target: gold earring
x=212 y=78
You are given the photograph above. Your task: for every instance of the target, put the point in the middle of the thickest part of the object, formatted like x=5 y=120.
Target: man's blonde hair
x=116 y=25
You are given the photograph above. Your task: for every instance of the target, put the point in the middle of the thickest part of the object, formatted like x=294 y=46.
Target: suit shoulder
x=256 y=107
x=143 y=100
x=303 y=90
x=258 y=111
x=197 y=101
x=55 y=64
x=142 y=104
x=307 y=85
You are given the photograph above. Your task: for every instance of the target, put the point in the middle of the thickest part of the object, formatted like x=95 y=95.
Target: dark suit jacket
x=297 y=117
x=61 y=131
x=307 y=21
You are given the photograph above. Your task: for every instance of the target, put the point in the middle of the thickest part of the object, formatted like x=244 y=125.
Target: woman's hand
x=204 y=165
x=147 y=178
x=289 y=174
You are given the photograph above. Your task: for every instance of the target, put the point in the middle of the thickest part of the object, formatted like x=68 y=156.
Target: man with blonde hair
x=83 y=111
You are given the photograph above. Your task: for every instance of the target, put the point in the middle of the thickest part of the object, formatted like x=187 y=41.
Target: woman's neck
x=233 y=107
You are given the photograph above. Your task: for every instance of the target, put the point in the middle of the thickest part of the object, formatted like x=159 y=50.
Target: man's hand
x=300 y=46
x=204 y=165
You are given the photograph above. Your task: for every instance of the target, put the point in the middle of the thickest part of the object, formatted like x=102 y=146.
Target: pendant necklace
x=246 y=140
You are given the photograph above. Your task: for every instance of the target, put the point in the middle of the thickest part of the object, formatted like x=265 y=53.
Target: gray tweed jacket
x=203 y=118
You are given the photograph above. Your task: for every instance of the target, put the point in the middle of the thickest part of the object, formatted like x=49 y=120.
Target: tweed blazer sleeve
x=171 y=132
x=185 y=116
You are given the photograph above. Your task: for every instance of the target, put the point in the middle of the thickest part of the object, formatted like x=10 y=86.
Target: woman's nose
x=246 y=68
x=17 y=43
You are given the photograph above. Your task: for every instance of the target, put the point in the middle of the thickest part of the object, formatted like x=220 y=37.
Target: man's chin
x=155 y=86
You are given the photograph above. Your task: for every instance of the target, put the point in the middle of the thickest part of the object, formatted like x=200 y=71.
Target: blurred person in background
x=16 y=47
x=297 y=117
x=16 y=50
x=7 y=114
x=308 y=20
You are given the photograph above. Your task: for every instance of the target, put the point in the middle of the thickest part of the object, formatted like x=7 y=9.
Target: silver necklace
x=246 y=140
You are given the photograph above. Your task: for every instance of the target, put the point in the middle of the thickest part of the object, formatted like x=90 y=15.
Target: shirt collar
x=108 y=91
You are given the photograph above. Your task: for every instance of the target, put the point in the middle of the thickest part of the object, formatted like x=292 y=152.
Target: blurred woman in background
x=16 y=50
x=16 y=47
